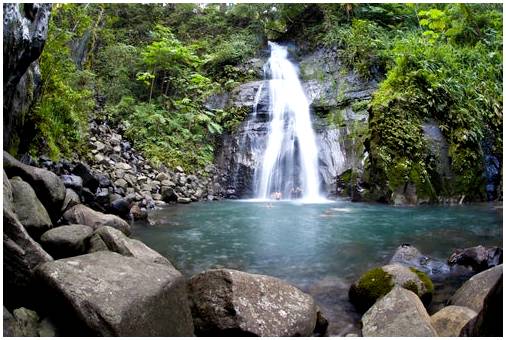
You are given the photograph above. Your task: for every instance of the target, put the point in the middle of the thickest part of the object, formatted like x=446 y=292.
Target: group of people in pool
x=295 y=193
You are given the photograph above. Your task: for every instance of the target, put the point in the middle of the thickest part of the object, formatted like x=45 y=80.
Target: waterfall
x=290 y=160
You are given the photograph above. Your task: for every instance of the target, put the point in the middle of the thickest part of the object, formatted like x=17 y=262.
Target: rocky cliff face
x=24 y=34
x=338 y=107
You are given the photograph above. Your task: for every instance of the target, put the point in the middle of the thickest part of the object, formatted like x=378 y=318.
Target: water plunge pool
x=320 y=248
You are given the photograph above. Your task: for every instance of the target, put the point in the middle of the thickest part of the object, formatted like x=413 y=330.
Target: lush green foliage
x=151 y=68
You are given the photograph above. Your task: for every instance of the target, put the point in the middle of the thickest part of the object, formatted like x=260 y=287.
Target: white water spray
x=290 y=161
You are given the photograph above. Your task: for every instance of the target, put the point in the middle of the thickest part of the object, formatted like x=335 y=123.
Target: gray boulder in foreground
x=229 y=302
x=473 y=291
x=108 y=294
x=117 y=242
x=67 y=240
x=47 y=185
x=399 y=313
x=81 y=214
x=30 y=211
x=450 y=320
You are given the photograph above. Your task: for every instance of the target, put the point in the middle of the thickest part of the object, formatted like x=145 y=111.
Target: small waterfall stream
x=290 y=161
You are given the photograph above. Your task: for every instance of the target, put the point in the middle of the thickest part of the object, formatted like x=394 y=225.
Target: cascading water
x=290 y=161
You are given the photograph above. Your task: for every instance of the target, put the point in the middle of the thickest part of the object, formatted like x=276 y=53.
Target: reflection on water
x=320 y=248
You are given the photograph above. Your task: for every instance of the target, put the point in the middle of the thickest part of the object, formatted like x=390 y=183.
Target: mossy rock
x=377 y=282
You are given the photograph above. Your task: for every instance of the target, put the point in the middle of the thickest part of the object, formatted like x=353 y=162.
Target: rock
x=46 y=328
x=121 y=183
x=379 y=281
x=162 y=177
x=399 y=313
x=104 y=181
x=169 y=195
x=73 y=182
x=67 y=240
x=96 y=244
x=405 y=195
x=71 y=199
x=184 y=200
x=81 y=214
x=29 y=210
x=450 y=320
x=479 y=258
x=7 y=193
x=89 y=180
x=473 y=291
x=321 y=324
x=117 y=242
x=108 y=294
x=21 y=254
x=137 y=213
x=123 y=166
x=409 y=256
x=27 y=322
x=120 y=207
x=48 y=186
x=24 y=36
x=489 y=321
x=179 y=169
x=10 y=325
x=168 y=183
x=99 y=146
x=234 y=303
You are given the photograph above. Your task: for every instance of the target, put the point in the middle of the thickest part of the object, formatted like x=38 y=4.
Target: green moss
x=360 y=105
x=425 y=279
x=411 y=285
x=371 y=286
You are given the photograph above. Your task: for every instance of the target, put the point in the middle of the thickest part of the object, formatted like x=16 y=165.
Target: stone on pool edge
x=108 y=294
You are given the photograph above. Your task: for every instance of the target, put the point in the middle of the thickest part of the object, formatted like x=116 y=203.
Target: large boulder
x=67 y=240
x=47 y=185
x=7 y=193
x=379 y=281
x=473 y=291
x=450 y=320
x=81 y=214
x=489 y=321
x=108 y=294
x=399 y=313
x=229 y=302
x=117 y=242
x=21 y=254
x=29 y=210
x=479 y=258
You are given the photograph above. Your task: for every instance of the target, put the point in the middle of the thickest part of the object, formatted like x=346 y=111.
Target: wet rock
x=48 y=186
x=321 y=324
x=184 y=200
x=29 y=210
x=409 y=256
x=473 y=291
x=81 y=214
x=73 y=182
x=138 y=214
x=230 y=302
x=89 y=180
x=399 y=313
x=379 y=281
x=66 y=241
x=117 y=242
x=450 y=320
x=120 y=207
x=479 y=258
x=108 y=294
x=169 y=195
